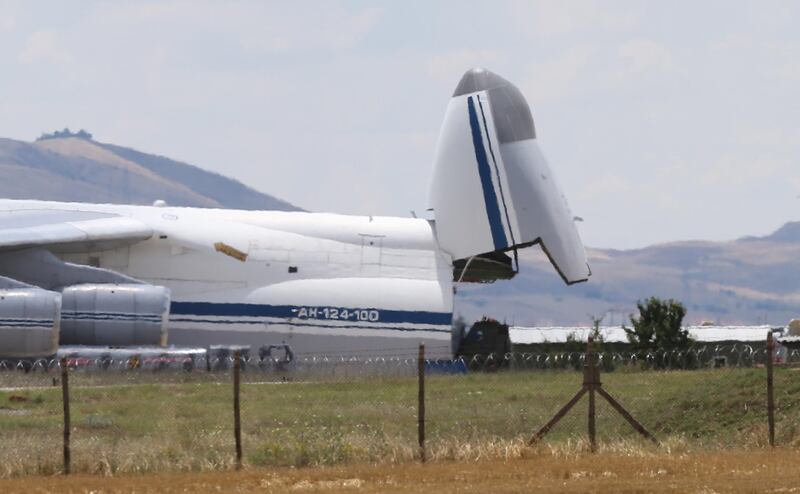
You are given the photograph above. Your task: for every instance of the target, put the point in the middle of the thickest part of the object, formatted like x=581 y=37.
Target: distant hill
x=790 y=232
x=747 y=281
x=73 y=167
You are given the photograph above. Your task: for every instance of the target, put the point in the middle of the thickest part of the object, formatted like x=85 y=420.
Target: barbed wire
x=699 y=357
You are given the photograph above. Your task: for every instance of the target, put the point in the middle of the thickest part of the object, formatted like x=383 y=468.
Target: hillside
x=79 y=169
x=746 y=281
x=752 y=280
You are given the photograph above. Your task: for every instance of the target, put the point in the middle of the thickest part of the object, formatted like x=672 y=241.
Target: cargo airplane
x=119 y=275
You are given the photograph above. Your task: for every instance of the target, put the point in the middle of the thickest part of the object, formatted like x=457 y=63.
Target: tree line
x=61 y=134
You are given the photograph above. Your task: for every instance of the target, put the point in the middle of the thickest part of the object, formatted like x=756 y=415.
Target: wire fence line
x=704 y=356
x=158 y=414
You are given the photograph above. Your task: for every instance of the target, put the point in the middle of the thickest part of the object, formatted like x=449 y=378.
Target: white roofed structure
x=615 y=334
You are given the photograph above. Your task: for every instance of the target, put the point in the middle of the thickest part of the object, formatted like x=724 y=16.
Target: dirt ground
x=716 y=472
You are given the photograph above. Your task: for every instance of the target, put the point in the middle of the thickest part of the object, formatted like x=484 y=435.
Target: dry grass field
x=151 y=432
x=761 y=471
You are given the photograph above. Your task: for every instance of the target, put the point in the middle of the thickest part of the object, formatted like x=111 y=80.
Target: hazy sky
x=662 y=120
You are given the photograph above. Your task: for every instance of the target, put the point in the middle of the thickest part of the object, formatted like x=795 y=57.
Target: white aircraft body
x=117 y=275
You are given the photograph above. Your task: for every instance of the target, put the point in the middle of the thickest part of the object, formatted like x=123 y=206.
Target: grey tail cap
x=512 y=115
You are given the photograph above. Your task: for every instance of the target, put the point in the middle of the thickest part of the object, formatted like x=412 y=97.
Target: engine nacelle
x=114 y=314
x=29 y=322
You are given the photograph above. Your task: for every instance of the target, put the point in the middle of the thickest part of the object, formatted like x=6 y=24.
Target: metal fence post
x=65 y=400
x=237 y=424
x=591 y=385
x=421 y=402
x=590 y=379
x=770 y=389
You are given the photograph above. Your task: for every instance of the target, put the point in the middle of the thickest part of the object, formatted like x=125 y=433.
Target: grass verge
x=177 y=422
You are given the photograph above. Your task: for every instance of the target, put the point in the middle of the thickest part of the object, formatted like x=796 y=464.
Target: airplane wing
x=46 y=299
x=68 y=231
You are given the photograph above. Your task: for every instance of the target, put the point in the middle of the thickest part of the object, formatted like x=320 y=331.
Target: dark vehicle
x=485 y=345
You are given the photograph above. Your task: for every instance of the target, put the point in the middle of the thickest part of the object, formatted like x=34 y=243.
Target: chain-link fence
x=168 y=412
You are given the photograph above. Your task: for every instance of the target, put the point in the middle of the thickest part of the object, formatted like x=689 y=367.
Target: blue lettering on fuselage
x=310 y=312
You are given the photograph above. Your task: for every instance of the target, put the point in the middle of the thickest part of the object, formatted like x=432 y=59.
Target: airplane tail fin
x=492 y=190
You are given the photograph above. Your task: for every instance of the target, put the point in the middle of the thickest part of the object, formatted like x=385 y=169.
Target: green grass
x=176 y=421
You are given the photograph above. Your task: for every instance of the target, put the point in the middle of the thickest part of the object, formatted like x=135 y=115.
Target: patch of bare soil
x=762 y=471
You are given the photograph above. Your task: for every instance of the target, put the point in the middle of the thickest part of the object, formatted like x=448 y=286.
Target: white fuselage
x=322 y=283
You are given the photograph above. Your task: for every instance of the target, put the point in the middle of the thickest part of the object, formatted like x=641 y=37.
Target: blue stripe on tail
x=485 y=172
x=497 y=172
